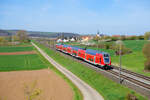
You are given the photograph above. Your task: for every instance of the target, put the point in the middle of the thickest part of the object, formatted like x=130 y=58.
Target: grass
x=135 y=45
x=14 y=49
x=109 y=89
x=133 y=61
x=20 y=62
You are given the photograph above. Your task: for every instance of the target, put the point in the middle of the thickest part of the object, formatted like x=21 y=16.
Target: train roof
x=94 y=52
x=66 y=45
x=75 y=48
x=58 y=44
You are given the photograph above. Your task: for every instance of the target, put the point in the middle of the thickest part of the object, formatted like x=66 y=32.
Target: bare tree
x=147 y=35
x=22 y=35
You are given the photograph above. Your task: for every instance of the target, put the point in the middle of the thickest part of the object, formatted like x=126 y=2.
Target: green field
x=20 y=62
x=109 y=89
x=15 y=49
x=133 y=61
x=30 y=62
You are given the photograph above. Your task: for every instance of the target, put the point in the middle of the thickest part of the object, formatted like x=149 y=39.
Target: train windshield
x=106 y=55
x=106 y=60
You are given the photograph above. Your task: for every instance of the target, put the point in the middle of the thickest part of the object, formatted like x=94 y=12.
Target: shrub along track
x=138 y=82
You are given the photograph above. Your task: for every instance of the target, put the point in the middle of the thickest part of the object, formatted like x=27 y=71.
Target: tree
x=22 y=36
x=147 y=36
x=14 y=38
x=141 y=37
x=124 y=50
x=123 y=37
x=146 y=53
x=96 y=38
x=2 y=39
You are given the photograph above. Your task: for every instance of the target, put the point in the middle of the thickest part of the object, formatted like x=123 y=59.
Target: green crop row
x=14 y=49
x=20 y=62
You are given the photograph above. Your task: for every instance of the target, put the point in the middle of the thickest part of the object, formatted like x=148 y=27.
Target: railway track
x=132 y=73
x=140 y=83
x=137 y=79
x=147 y=86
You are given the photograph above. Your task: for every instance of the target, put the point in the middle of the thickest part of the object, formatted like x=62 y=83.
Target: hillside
x=4 y=33
x=38 y=33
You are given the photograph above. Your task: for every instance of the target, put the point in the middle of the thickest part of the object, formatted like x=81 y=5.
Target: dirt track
x=53 y=87
x=18 y=53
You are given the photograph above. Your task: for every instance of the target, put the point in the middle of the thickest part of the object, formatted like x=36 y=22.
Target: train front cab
x=106 y=61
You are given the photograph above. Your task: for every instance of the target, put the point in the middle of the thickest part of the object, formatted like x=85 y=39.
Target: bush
x=147 y=64
x=147 y=36
x=132 y=38
x=146 y=52
x=131 y=96
x=107 y=46
x=123 y=37
x=115 y=38
x=141 y=37
x=124 y=50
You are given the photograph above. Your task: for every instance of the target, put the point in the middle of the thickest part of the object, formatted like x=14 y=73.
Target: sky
x=110 y=17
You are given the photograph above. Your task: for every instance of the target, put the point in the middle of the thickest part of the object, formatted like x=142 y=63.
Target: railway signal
x=120 y=64
x=119 y=43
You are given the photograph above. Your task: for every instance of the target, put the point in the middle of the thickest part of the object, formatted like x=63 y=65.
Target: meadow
x=109 y=89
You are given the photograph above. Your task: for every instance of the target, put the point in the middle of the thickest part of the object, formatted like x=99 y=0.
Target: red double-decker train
x=95 y=57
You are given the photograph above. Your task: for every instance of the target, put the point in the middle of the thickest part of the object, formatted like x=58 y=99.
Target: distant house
x=72 y=39
x=59 y=40
x=86 y=38
x=116 y=36
x=65 y=40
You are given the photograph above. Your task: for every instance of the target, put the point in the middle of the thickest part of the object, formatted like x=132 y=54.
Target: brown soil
x=18 y=53
x=53 y=87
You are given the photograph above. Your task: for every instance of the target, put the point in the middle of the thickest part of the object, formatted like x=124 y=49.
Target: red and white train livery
x=93 y=56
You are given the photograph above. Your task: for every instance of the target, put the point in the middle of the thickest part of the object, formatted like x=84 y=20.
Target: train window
x=106 y=55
